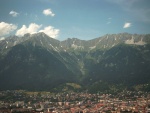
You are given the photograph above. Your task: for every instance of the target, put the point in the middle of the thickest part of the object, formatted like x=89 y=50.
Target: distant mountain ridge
x=106 y=41
x=48 y=63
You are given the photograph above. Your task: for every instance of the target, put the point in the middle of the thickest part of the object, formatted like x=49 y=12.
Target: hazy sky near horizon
x=83 y=19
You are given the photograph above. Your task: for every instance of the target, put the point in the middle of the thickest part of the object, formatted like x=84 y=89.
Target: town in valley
x=21 y=101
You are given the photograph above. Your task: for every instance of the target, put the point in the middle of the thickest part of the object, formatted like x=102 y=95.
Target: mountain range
x=39 y=62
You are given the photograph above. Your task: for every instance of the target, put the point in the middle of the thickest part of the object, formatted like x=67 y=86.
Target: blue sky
x=83 y=19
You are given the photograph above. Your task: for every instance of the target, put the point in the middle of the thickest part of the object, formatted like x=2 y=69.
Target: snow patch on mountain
x=53 y=48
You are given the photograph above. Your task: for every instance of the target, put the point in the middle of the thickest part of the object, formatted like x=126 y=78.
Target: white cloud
x=50 y=31
x=13 y=13
x=6 y=28
x=48 y=12
x=33 y=28
x=126 y=25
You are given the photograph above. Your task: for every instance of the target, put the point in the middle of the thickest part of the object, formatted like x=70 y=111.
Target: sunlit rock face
x=135 y=41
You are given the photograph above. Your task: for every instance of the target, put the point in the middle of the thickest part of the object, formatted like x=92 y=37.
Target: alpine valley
x=109 y=63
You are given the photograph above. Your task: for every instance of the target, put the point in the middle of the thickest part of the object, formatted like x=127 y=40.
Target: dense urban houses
x=73 y=102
